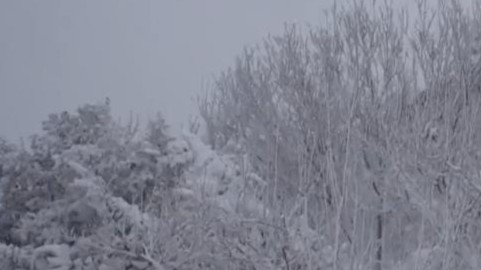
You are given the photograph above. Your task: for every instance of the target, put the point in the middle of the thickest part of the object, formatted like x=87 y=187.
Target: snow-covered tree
x=364 y=130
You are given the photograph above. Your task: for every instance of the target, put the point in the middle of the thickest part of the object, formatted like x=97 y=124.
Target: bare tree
x=374 y=115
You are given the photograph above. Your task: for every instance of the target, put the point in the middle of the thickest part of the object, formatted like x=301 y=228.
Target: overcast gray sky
x=147 y=56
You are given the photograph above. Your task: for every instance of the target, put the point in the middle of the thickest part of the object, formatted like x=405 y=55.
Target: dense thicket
x=89 y=193
x=367 y=133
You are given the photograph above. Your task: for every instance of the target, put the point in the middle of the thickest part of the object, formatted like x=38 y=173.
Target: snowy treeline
x=91 y=194
x=350 y=146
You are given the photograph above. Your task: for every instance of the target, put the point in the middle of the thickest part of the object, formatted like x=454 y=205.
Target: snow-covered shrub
x=12 y=257
x=30 y=189
x=88 y=126
x=157 y=133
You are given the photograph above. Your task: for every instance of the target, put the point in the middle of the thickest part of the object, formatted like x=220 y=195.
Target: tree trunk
x=379 y=230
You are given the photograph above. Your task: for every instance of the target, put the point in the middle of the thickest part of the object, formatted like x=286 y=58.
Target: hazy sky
x=147 y=56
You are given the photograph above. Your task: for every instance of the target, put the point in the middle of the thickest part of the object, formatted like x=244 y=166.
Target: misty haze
x=243 y=135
